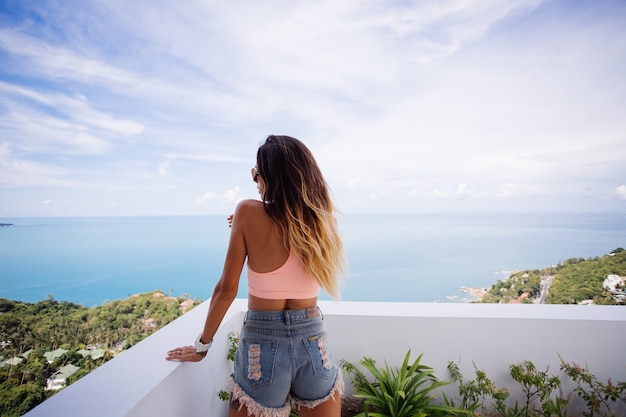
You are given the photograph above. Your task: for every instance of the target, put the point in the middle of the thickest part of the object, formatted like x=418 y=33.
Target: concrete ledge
x=141 y=383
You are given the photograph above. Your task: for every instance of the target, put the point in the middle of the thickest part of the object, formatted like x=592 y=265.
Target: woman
x=293 y=249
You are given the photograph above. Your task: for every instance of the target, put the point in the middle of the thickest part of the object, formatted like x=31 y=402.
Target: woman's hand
x=230 y=220
x=185 y=354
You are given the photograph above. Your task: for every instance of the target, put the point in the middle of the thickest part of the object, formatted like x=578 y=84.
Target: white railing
x=141 y=383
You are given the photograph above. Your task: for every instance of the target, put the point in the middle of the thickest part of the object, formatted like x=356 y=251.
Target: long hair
x=298 y=200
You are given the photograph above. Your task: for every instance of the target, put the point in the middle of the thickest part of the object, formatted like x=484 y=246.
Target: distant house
x=94 y=353
x=97 y=353
x=14 y=361
x=84 y=352
x=57 y=381
x=186 y=305
x=148 y=323
x=52 y=355
x=611 y=283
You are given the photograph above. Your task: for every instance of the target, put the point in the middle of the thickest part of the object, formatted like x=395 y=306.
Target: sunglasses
x=255 y=175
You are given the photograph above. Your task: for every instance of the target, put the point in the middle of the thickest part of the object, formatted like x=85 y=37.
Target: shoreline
x=477 y=293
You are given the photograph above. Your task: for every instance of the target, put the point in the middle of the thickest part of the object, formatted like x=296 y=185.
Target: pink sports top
x=290 y=281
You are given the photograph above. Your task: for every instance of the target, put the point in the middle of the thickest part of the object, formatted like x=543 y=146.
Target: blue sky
x=157 y=107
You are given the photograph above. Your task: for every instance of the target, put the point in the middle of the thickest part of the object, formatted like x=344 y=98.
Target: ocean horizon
x=421 y=257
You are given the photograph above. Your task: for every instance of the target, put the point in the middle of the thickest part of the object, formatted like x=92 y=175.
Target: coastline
x=477 y=293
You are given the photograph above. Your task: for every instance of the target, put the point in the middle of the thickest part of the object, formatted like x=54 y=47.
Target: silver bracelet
x=202 y=347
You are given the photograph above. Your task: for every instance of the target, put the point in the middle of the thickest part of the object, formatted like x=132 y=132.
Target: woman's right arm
x=226 y=288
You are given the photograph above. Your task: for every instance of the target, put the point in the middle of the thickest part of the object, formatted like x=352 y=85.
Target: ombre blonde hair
x=297 y=198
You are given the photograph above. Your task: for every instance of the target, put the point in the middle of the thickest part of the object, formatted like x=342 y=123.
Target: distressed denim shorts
x=283 y=356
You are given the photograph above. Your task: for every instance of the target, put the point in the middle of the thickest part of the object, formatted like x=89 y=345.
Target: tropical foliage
x=69 y=334
x=541 y=392
x=404 y=391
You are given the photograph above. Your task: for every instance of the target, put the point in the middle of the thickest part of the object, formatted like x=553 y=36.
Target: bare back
x=266 y=252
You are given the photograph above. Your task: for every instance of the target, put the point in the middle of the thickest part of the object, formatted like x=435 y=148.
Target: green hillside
x=65 y=340
x=573 y=281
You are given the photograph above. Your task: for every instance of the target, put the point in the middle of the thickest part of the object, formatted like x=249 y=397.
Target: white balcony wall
x=141 y=383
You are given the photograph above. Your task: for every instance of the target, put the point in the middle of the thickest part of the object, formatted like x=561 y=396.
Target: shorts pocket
x=323 y=366
x=257 y=359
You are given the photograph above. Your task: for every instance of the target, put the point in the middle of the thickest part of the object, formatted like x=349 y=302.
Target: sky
x=157 y=107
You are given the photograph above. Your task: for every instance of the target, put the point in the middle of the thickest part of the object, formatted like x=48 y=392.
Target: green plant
x=597 y=396
x=233 y=345
x=405 y=391
x=474 y=393
x=537 y=388
x=223 y=395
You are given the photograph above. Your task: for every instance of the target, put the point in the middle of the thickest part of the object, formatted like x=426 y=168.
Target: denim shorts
x=283 y=356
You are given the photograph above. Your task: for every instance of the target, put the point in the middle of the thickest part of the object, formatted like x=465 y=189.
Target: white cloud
x=210 y=198
x=57 y=123
x=50 y=60
x=462 y=190
x=621 y=192
x=17 y=173
x=164 y=167
x=401 y=103
x=521 y=190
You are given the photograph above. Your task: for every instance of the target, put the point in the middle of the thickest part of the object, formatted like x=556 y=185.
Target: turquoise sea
x=410 y=257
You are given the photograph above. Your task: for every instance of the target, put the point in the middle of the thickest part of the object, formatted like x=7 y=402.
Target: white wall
x=493 y=337
x=141 y=383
